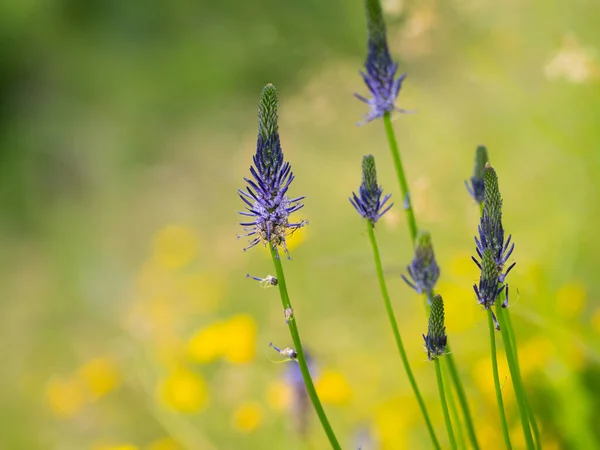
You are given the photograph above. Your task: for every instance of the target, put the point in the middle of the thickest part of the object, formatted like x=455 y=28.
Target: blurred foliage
x=125 y=130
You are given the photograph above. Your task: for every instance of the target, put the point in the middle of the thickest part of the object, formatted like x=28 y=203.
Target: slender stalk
x=301 y=358
x=438 y=374
x=460 y=438
x=515 y=375
x=531 y=416
x=503 y=424
x=410 y=215
x=396 y=332
x=412 y=225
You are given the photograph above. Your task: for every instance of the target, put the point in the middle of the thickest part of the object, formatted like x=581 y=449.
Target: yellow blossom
x=164 y=444
x=534 y=354
x=207 y=344
x=183 y=391
x=279 y=395
x=484 y=376
x=333 y=387
x=247 y=417
x=66 y=397
x=570 y=299
x=100 y=376
x=460 y=307
x=392 y=420
x=239 y=339
x=175 y=246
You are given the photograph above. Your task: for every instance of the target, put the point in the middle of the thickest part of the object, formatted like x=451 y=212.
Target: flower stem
x=514 y=374
x=460 y=438
x=396 y=332
x=301 y=358
x=532 y=421
x=410 y=215
x=438 y=374
x=503 y=424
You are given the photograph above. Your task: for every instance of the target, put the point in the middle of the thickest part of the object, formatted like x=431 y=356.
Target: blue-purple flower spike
x=436 y=339
x=265 y=196
x=380 y=70
x=423 y=269
x=368 y=202
x=476 y=187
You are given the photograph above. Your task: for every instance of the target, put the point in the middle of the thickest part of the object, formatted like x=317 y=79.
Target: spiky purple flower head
x=476 y=188
x=436 y=339
x=265 y=196
x=423 y=269
x=380 y=70
x=368 y=202
x=490 y=229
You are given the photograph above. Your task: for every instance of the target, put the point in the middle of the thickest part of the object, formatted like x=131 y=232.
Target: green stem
x=438 y=374
x=410 y=215
x=515 y=374
x=503 y=424
x=460 y=438
x=301 y=358
x=531 y=416
x=396 y=332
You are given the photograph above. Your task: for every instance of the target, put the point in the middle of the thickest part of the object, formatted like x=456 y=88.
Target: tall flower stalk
x=384 y=87
x=435 y=344
x=494 y=251
x=268 y=209
x=371 y=206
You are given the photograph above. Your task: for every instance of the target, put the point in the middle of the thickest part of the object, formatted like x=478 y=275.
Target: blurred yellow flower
x=461 y=265
x=66 y=397
x=203 y=290
x=166 y=443
x=234 y=339
x=392 y=420
x=333 y=388
x=116 y=447
x=460 y=306
x=175 y=246
x=484 y=376
x=100 y=376
x=183 y=391
x=279 y=395
x=535 y=353
x=570 y=299
x=207 y=344
x=247 y=417
x=239 y=339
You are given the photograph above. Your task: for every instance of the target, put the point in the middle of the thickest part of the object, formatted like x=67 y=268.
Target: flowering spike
x=423 y=270
x=489 y=287
x=436 y=339
x=492 y=206
x=266 y=202
x=380 y=70
x=476 y=188
x=368 y=202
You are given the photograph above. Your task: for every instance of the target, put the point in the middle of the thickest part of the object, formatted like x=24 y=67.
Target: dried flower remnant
x=265 y=196
x=380 y=70
x=423 y=269
x=368 y=202
x=265 y=282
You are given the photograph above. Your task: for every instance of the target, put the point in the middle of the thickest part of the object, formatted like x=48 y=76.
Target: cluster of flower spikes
x=368 y=202
x=436 y=339
x=423 y=269
x=380 y=70
x=265 y=196
x=491 y=247
x=476 y=187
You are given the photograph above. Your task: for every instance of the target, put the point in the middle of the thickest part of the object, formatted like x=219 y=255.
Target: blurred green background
x=126 y=128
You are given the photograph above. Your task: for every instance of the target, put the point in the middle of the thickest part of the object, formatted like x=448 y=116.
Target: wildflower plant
x=475 y=186
x=380 y=78
x=423 y=269
x=269 y=208
x=371 y=207
x=494 y=253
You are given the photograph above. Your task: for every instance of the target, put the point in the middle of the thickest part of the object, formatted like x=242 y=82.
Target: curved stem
x=438 y=374
x=301 y=358
x=530 y=415
x=515 y=374
x=410 y=215
x=396 y=332
x=503 y=424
